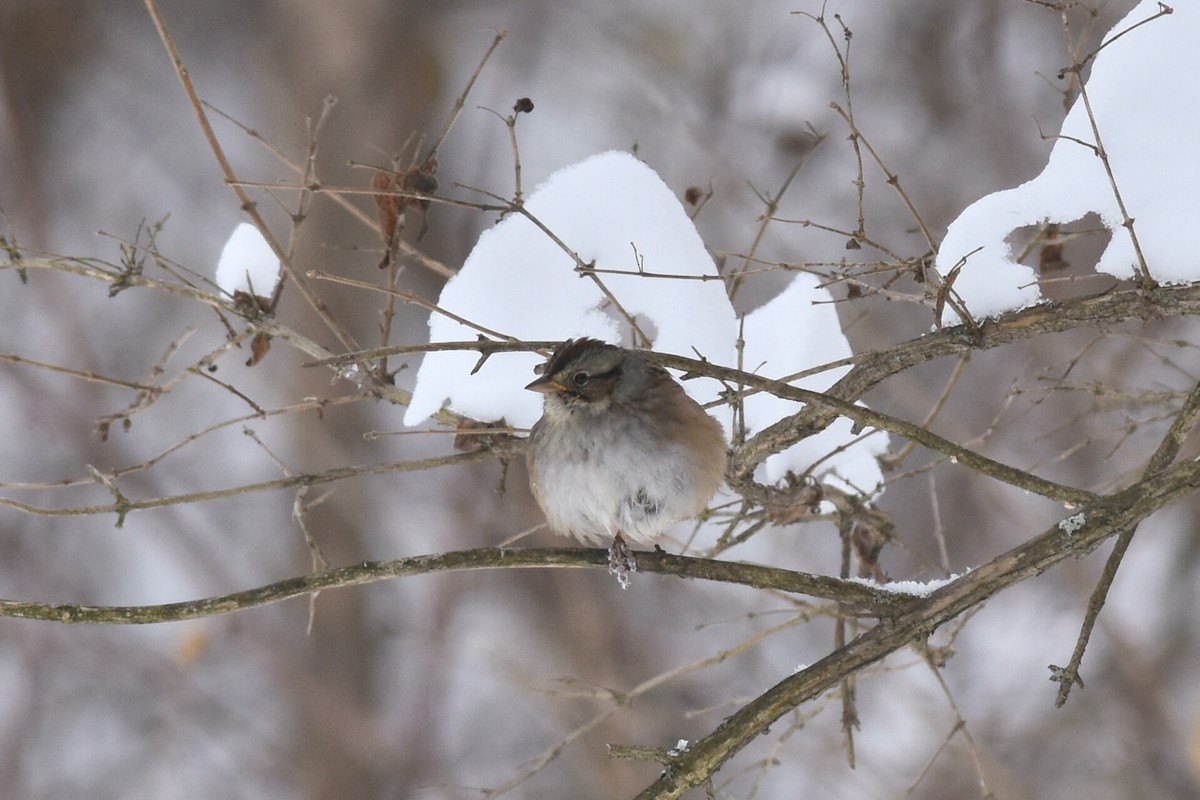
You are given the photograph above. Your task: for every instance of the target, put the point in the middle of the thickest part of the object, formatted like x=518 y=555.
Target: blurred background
x=453 y=685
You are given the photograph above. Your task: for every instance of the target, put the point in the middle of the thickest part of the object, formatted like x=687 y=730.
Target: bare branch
x=1102 y=520
x=876 y=602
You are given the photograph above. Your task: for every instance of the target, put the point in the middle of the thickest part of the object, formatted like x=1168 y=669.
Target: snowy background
x=435 y=686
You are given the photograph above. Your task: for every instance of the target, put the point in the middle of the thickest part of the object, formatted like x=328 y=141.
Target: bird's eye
x=580 y=378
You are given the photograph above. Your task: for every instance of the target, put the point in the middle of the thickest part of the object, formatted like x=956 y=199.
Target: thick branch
x=874 y=367
x=1100 y=521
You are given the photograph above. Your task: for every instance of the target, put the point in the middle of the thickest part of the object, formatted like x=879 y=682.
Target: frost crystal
x=915 y=588
x=680 y=747
x=1072 y=523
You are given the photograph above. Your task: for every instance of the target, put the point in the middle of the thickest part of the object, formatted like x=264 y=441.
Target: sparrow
x=621 y=452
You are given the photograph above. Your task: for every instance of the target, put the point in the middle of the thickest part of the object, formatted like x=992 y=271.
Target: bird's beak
x=545 y=385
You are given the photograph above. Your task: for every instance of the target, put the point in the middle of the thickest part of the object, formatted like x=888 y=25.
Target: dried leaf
x=259 y=346
x=251 y=305
x=1050 y=257
x=388 y=205
x=394 y=208
x=473 y=436
x=794 y=502
x=870 y=533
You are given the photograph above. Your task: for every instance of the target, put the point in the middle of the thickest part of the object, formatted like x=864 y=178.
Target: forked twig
x=772 y=205
x=1100 y=521
x=1168 y=449
x=247 y=205
x=860 y=183
x=461 y=100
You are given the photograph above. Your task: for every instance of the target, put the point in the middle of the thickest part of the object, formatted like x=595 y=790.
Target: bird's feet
x=620 y=560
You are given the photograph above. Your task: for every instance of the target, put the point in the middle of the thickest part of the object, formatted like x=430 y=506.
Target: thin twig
x=409 y=297
x=959 y=367
x=339 y=198
x=892 y=179
x=308 y=178
x=1147 y=281
x=124 y=507
x=461 y=100
x=959 y=726
x=1184 y=422
x=772 y=205
x=1163 y=10
x=84 y=375
x=247 y=205
x=1104 y=519
x=860 y=183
